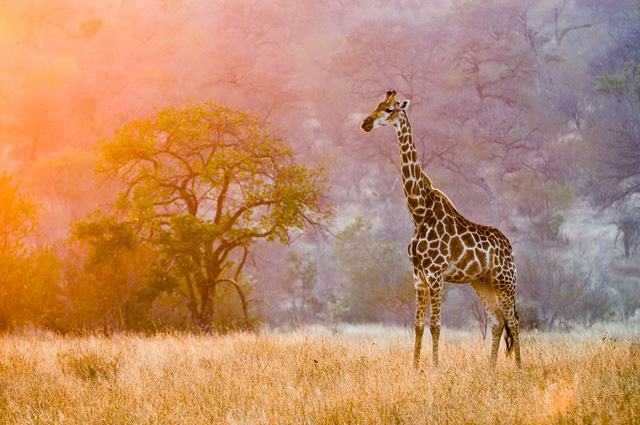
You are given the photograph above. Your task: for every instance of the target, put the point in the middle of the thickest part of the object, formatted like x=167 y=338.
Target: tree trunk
x=203 y=316
x=204 y=319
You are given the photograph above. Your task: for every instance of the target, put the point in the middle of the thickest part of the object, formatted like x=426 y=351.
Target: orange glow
x=559 y=399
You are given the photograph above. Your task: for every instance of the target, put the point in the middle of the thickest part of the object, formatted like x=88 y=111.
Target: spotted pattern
x=447 y=247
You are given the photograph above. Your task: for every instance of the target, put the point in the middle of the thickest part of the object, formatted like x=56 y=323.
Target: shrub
x=89 y=365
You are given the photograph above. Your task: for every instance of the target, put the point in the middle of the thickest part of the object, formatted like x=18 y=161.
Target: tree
x=18 y=220
x=543 y=202
x=629 y=291
x=628 y=224
x=557 y=288
x=113 y=268
x=297 y=293
x=597 y=304
x=201 y=184
x=473 y=78
x=18 y=216
x=377 y=278
x=619 y=133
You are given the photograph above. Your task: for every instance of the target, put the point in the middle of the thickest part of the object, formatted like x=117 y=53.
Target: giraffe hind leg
x=492 y=308
x=512 y=323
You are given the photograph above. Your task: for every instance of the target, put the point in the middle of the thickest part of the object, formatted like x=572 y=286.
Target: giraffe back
x=446 y=242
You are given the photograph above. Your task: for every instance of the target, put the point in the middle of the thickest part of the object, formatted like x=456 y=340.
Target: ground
x=360 y=375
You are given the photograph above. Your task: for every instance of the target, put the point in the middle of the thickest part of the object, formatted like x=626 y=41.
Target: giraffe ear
x=404 y=105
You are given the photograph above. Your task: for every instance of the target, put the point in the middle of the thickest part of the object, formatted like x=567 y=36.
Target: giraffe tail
x=508 y=336
x=508 y=339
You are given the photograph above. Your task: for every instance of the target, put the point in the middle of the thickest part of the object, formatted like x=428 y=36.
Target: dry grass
x=312 y=377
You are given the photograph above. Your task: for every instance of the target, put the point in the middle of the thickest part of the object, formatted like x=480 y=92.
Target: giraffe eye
x=388 y=110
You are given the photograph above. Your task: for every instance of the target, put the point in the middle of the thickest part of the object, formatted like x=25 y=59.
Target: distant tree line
x=526 y=113
x=199 y=184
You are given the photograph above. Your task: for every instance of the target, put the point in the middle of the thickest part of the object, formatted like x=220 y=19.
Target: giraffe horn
x=390 y=96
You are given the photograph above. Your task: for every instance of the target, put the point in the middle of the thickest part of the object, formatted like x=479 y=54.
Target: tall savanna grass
x=361 y=377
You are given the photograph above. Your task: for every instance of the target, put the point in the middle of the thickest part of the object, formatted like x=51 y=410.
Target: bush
x=89 y=365
x=529 y=316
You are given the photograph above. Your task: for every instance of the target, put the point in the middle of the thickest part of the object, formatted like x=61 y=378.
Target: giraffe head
x=386 y=113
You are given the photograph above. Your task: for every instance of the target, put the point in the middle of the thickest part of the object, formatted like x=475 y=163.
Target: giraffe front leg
x=497 y=328
x=435 y=295
x=421 y=312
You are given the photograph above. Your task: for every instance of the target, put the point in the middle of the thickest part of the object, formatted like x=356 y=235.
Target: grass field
x=361 y=376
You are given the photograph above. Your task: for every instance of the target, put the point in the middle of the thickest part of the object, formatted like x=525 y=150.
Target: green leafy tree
x=105 y=268
x=377 y=277
x=42 y=298
x=18 y=220
x=18 y=216
x=201 y=184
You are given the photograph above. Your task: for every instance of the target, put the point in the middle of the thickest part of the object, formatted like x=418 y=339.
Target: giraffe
x=446 y=247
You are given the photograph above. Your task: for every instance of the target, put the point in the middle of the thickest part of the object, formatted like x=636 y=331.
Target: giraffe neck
x=416 y=184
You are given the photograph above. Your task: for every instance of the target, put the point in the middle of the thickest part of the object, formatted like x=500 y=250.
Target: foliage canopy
x=201 y=183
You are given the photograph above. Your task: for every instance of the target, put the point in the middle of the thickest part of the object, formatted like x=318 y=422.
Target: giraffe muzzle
x=367 y=125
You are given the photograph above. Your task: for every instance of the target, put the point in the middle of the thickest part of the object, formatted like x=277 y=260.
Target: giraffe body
x=447 y=247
